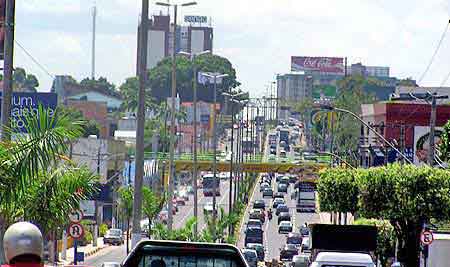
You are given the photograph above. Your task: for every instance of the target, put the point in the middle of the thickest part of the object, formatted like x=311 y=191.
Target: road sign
x=76 y=216
x=76 y=230
x=426 y=237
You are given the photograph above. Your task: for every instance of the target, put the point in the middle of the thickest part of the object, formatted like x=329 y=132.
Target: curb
x=86 y=254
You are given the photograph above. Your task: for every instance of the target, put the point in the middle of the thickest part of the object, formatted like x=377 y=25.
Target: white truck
x=438 y=251
x=342 y=245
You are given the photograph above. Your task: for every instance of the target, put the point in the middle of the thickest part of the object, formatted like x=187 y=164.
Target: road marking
x=190 y=213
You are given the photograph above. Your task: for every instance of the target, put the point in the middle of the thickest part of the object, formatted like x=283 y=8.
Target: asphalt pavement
x=108 y=254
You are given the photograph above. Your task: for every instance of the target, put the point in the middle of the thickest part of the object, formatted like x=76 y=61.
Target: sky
x=257 y=36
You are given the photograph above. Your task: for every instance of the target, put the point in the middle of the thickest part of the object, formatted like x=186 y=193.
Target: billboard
x=25 y=103
x=421 y=143
x=331 y=65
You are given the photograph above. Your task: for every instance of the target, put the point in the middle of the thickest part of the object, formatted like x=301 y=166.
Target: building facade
x=193 y=38
x=405 y=124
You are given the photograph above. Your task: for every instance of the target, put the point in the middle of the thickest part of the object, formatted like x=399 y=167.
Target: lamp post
x=330 y=108
x=172 y=119
x=194 y=171
x=214 y=76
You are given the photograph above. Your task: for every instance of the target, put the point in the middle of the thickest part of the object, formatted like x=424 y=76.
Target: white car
x=285 y=227
x=209 y=208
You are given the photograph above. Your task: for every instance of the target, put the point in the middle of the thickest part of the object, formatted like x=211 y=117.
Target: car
x=190 y=189
x=180 y=253
x=271 y=157
x=293 y=179
x=284 y=180
x=259 y=248
x=281 y=208
x=295 y=239
x=300 y=261
x=266 y=179
x=273 y=151
x=278 y=178
x=263 y=186
x=278 y=195
x=304 y=230
x=180 y=201
x=259 y=204
x=277 y=201
x=253 y=235
x=304 y=248
x=113 y=237
x=288 y=252
x=268 y=192
x=282 y=143
x=257 y=214
x=283 y=160
x=284 y=216
x=282 y=188
x=251 y=257
x=254 y=223
x=283 y=154
x=209 y=208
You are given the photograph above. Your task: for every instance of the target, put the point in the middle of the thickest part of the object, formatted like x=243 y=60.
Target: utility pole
x=172 y=122
x=97 y=221
x=94 y=18
x=8 y=68
x=195 y=174
x=214 y=152
x=230 y=193
x=432 y=130
x=139 y=163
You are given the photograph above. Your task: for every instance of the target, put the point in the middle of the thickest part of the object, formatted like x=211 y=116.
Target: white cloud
x=51 y=6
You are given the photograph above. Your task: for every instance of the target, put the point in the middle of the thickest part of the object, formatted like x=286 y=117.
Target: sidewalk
x=88 y=251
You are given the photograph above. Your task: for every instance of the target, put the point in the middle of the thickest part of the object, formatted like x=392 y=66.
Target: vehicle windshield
x=187 y=261
x=115 y=232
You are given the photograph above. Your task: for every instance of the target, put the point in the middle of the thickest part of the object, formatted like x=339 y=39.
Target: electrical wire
x=34 y=60
x=435 y=52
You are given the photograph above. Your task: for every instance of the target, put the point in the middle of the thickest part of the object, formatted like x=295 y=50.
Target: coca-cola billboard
x=332 y=65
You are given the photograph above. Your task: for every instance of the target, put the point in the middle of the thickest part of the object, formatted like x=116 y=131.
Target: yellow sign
x=304 y=168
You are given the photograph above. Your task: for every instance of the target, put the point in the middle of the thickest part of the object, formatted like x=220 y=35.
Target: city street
x=108 y=254
x=187 y=211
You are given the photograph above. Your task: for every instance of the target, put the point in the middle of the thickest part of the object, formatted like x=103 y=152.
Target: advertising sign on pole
x=332 y=65
x=421 y=143
x=23 y=103
x=76 y=216
x=196 y=19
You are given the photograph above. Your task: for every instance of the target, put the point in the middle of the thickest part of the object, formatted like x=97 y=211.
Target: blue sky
x=257 y=36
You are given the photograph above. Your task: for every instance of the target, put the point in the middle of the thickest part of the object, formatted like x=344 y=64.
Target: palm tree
x=35 y=175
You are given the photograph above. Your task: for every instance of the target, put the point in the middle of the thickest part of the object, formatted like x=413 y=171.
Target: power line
x=34 y=60
x=435 y=52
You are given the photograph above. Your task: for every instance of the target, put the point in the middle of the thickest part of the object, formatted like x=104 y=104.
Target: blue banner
x=27 y=103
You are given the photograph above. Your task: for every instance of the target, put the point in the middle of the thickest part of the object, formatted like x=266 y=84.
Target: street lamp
x=192 y=57
x=215 y=76
x=173 y=95
x=331 y=108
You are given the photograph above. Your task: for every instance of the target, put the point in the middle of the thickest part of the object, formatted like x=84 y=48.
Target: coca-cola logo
x=318 y=63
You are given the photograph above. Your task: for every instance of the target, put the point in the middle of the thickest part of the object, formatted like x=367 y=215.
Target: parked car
x=288 y=252
x=284 y=216
x=268 y=192
x=259 y=248
x=113 y=237
x=259 y=204
x=251 y=257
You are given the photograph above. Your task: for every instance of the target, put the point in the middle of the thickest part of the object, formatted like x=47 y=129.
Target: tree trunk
x=128 y=235
x=409 y=250
x=149 y=228
x=3 y=227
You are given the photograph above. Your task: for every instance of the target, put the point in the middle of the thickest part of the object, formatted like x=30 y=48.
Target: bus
x=306 y=197
x=209 y=185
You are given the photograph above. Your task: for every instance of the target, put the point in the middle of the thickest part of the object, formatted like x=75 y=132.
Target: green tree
x=34 y=171
x=130 y=92
x=407 y=82
x=101 y=84
x=152 y=204
x=405 y=195
x=23 y=82
x=444 y=146
x=160 y=77
x=126 y=196
x=385 y=239
x=89 y=127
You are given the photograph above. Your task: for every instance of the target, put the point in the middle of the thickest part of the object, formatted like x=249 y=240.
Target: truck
x=342 y=245
x=284 y=135
x=306 y=197
x=438 y=250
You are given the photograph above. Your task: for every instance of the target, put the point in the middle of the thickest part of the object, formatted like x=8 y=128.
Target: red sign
x=322 y=64
x=76 y=230
x=426 y=237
